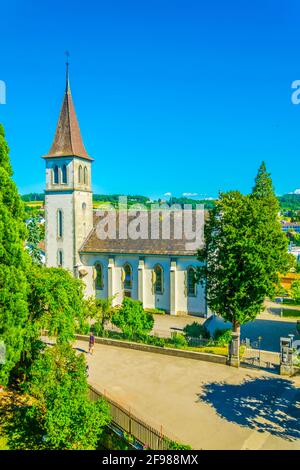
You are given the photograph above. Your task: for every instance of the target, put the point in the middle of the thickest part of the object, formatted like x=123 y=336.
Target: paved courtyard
x=208 y=406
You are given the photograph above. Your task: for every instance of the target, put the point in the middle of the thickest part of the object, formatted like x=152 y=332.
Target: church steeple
x=67 y=140
x=68 y=195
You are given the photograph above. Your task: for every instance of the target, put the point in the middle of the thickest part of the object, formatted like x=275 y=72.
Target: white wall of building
x=184 y=303
x=53 y=203
x=74 y=199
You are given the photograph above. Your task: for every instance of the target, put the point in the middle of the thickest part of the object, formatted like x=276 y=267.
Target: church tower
x=68 y=195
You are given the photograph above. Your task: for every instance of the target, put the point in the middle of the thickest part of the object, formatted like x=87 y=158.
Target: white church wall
x=54 y=202
x=83 y=211
x=89 y=262
x=120 y=261
x=184 y=304
x=152 y=300
x=192 y=304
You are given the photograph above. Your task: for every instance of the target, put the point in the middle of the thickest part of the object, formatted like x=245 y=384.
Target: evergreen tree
x=13 y=265
x=244 y=251
x=263 y=188
x=273 y=242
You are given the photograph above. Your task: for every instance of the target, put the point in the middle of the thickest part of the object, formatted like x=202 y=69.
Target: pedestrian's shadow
x=81 y=350
x=263 y=404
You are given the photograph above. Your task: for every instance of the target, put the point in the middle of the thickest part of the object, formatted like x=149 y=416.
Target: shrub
x=97 y=328
x=289 y=312
x=83 y=329
x=132 y=319
x=155 y=341
x=196 y=330
x=173 y=445
x=178 y=340
x=222 y=337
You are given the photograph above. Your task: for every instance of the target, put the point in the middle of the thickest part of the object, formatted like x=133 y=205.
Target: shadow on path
x=81 y=350
x=263 y=404
x=270 y=331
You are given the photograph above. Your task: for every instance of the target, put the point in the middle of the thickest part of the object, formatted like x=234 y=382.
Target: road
x=209 y=406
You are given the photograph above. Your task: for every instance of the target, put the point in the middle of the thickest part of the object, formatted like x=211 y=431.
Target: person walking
x=91 y=343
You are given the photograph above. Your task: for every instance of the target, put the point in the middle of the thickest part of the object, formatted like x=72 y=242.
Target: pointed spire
x=67 y=140
x=68 y=89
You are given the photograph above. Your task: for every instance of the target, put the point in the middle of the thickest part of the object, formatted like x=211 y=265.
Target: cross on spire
x=67 y=54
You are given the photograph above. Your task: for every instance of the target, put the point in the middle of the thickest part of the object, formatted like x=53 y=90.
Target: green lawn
x=290 y=313
x=291 y=302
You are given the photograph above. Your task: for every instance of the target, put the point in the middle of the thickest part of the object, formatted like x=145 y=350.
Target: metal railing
x=130 y=424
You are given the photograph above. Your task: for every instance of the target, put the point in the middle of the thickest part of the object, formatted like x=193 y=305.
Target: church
x=159 y=272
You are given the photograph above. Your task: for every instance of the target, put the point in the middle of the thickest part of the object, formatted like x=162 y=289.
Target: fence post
x=129 y=414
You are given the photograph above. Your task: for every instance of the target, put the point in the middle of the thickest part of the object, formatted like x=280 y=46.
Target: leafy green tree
x=55 y=304
x=56 y=301
x=244 y=252
x=100 y=310
x=60 y=414
x=34 y=238
x=222 y=337
x=297 y=266
x=13 y=265
x=295 y=290
x=132 y=319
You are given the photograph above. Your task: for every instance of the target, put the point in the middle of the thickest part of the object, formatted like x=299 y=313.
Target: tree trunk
x=234 y=346
x=236 y=327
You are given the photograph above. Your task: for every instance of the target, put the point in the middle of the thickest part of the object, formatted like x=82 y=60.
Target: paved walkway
x=208 y=406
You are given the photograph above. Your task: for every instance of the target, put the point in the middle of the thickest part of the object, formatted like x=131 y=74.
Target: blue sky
x=173 y=96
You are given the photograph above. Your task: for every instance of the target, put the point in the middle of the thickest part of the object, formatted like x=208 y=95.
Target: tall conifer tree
x=13 y=263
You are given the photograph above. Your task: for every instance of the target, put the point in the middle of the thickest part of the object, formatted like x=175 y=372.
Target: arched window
x=55 y=175
x=158 y=279
x=60 y=223
x=60 y=258
x=80 y=174
x=127 y=276
x=64 y=174
x=191 y=282
x=98 y=276
x=85 y=176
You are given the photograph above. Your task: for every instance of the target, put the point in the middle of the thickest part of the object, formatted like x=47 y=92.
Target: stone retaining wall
x=200 y=356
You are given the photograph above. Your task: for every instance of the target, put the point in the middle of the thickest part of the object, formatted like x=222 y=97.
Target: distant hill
x=33 y=197
x=100 y=199
x=289 y=202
